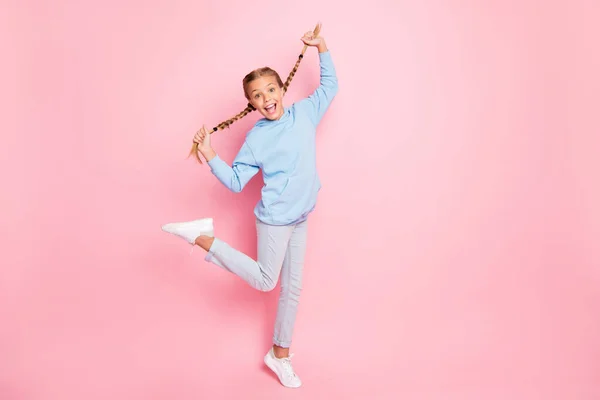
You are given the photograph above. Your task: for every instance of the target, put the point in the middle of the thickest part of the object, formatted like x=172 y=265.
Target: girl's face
x=266 y=96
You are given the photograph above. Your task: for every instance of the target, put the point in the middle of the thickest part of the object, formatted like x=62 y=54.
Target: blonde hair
x=257 y=73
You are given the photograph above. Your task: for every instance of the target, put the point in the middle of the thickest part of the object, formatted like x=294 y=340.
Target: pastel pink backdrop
x=454 y=251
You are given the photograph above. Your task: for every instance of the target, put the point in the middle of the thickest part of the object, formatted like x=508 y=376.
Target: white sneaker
x=191 y=230
x=283 y=369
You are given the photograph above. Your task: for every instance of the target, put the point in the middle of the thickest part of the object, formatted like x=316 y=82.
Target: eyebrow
x=265 y=86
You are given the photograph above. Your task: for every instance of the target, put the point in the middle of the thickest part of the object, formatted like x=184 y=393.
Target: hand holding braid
x=201 y=138
x=221 y=126
x=309 y=39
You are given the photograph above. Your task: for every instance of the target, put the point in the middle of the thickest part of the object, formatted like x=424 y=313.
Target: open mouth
x=271 y=108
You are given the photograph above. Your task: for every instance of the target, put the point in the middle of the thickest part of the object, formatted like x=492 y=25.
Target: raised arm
x=318 y=102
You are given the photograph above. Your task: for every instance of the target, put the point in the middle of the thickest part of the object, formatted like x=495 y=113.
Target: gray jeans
x=281 y=251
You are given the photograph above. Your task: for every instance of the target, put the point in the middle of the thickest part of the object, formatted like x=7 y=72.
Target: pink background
x=454 y=252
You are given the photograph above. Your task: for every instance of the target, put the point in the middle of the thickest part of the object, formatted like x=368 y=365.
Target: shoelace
x=287 y=366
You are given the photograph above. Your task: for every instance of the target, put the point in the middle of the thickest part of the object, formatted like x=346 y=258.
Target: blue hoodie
x=285 y=151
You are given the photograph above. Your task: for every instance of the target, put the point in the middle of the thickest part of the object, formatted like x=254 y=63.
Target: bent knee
x=267 y=286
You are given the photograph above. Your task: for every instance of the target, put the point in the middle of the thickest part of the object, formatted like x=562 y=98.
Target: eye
x=256 y=96
x=272 y=90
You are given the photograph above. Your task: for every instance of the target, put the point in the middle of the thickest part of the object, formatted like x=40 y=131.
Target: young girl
x=282 y=145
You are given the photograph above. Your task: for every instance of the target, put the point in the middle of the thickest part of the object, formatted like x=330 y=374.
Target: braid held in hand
x=300 y=57
x=221 y=126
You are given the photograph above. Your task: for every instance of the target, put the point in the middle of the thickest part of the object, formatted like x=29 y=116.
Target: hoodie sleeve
x=318 y=102
x=239 y=174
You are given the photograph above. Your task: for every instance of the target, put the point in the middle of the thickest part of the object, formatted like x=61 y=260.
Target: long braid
x=241 y=115
x=250 y=107
x=300 y=57
x=221 y=126
x=292 y=74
